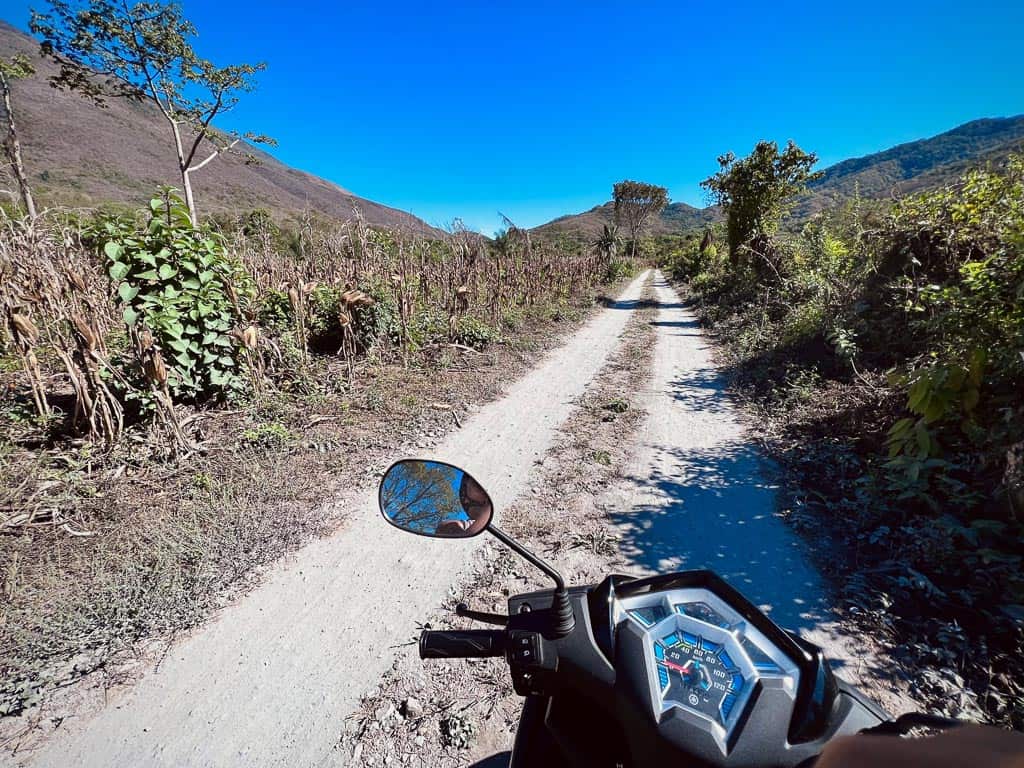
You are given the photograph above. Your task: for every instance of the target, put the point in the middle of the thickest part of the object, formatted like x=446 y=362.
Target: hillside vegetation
x=883 y=351
x=79 y=154
x=913 y=167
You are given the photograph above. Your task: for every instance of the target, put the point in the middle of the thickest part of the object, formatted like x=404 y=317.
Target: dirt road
x=698 y=494
x=270 y=681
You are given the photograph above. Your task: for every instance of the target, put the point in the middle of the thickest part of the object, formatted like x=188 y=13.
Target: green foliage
x=960 y=256
x=177 y=282
x=17 y=67
x=607 y=243
x=473 y=332
x=634 y=203
x=271 y=436
x=379 y=323
x=619 y=269
x=755 y=191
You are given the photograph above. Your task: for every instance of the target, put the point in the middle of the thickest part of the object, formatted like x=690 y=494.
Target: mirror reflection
x=432 y=498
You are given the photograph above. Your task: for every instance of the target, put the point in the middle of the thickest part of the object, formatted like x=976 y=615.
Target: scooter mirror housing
x=434 y=498
x=442 y=501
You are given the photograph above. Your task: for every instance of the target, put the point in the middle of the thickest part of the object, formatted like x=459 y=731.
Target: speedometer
x=698 y=674
x=707 y=662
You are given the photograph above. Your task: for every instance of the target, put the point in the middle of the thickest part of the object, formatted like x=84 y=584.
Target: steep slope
x=903 y=169
x=79 y=154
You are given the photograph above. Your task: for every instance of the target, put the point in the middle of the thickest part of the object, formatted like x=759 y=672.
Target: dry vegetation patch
x=121 y=524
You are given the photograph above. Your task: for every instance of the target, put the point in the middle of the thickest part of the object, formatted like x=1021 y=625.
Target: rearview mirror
x=432 y=498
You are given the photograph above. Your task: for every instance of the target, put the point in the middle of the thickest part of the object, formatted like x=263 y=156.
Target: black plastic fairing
x=600 y=602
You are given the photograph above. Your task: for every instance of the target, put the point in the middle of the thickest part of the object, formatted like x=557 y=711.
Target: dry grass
x=128 y=542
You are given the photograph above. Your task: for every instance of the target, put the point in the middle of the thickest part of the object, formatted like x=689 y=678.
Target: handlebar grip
x=468 y=643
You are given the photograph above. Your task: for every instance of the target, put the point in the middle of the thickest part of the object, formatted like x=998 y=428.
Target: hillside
x=79 y=154
x=906 y=168
x=917 y=165
x=677 y=217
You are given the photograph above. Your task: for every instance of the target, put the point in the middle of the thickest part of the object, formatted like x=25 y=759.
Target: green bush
x=378 y=324
x=473 y=332
x=619 y=269
x=177 y=281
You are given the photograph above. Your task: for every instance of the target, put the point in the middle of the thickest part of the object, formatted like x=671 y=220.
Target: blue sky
x=535 y=109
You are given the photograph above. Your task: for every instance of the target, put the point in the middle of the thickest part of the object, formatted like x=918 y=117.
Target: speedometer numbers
x=698 y=674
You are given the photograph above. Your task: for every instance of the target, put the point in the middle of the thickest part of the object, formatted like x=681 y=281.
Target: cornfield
x=71 y=352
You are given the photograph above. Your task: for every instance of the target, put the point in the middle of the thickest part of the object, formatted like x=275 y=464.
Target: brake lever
x=497 y=619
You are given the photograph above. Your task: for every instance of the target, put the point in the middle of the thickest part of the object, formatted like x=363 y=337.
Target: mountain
x=677 y=217
x=917 y=165
x=904 y=169
x=78 y=154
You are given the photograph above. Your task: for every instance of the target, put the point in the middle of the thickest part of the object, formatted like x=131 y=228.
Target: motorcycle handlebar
x=469 y=643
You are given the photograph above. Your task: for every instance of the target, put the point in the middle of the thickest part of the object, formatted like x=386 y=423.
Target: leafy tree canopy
x=144 y=52
x=756 y=191
x=635 y=203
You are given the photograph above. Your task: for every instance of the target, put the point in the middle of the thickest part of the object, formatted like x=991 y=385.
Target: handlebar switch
x=525 y=649
x=530 y=659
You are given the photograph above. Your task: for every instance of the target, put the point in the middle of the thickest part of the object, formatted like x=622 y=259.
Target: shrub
x=473 y=332
x=379 y=323
x=177 y=281
x=619 y=269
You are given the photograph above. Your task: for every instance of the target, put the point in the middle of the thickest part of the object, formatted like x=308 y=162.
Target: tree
x=755 y=192
x=635 y=201
x=420 y=495
x=142 y=52
x=17 y=66
x=607 y=243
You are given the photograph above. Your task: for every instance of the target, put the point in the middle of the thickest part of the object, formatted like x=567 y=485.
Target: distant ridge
x=78 y=154
x=677 y=217
x=903 y=169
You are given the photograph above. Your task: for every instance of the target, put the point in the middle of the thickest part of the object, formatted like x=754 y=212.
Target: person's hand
x=970 y=746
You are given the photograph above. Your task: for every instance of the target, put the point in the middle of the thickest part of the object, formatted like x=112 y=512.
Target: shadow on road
x=715 y=511
x=632 y=304
x=700 y=390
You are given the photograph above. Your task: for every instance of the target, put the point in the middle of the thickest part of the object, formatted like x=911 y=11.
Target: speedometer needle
x=684 y=669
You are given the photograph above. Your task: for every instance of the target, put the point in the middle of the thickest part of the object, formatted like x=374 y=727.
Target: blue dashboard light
x=726 y=660
x=737 y=682
x=727 y=704
x=659 y=651
x=690 y=639
x=709 y=646
x=670 y=640
x=663 y=677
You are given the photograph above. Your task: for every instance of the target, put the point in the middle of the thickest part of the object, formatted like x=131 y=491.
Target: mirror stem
x=565 y=621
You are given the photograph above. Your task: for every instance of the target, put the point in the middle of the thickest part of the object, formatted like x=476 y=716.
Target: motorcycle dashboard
x=705 y=663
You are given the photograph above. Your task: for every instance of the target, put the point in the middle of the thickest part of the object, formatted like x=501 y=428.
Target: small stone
x=412 y=709
x=419 y=741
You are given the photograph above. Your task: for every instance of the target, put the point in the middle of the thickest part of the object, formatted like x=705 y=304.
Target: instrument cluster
x=703 y=658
